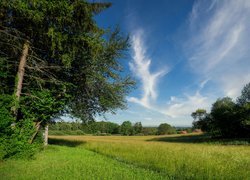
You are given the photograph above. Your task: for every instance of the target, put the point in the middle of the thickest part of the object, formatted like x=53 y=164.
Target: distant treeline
x=110 y=128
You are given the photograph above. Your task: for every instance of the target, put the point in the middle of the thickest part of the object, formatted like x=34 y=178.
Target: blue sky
x=184 y=55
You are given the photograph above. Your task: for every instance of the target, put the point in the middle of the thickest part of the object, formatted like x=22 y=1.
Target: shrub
x=14 y=137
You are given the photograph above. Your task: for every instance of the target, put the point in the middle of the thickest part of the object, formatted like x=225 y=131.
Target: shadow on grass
x=64 y=142
x=202 y=138
x=183 y=139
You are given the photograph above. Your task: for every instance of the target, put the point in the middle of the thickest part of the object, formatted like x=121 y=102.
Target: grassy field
x=136 y=157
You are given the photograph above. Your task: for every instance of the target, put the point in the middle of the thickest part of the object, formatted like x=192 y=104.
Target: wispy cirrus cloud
x=217 y=51
x=140 y=66
x=219 y=44
x=177 y=106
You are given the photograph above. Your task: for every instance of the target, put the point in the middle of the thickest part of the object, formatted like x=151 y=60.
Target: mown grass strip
x=60 y=162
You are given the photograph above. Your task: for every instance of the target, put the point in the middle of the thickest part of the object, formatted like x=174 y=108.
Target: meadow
x=133 y=157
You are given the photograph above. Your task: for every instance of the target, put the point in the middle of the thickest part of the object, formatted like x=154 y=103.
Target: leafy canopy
x=73 y=66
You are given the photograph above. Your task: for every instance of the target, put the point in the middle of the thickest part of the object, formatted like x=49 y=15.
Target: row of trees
x=227 y=118
x=105 y=128
x=86 y=128
x=54 y=59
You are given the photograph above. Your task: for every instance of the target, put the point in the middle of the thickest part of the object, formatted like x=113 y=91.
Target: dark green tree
x=55 y=59
x=198 y=116
x=126 y=128
x=245 y=95
x=165 y=129
x=243 y=108
x=138 y=128
x=228 y=119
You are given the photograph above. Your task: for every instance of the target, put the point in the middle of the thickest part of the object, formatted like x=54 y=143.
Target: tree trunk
x=37 y=126
x=21 y=69
x=46 y=134
x=20 y=74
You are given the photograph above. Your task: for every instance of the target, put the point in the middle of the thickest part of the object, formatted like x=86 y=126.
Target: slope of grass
x=175 y=159
x=61 y=162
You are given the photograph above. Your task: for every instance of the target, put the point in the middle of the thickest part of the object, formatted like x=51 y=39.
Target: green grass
x=133 y=157
x=178 y=157
x=62 y=162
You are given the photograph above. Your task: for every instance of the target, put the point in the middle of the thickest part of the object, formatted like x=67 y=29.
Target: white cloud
x=218 y=51
x=219 y=47
x=140 y=66
x=177 y=107
x=183 y=107
x=203 y=84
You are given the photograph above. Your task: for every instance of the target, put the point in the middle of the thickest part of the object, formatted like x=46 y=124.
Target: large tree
x=55 y=59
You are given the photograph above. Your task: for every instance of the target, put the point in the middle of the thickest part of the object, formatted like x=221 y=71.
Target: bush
x=14 y=137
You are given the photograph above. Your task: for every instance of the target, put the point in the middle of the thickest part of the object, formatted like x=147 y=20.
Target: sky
x=184 y=55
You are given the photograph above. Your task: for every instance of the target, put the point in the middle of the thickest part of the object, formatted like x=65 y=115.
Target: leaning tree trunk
x=20 y=75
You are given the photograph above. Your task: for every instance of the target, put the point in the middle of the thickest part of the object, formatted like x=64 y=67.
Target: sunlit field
x=133 y=157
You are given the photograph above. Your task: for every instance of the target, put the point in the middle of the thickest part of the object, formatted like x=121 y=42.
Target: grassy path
x=60 y=162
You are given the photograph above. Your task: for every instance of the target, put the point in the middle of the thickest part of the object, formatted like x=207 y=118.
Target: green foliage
x=69 y=53
x=41 y=106
x=137 y=128
x=5 y=115
x=100 y=89
x=14 y=136
x=105 y=127
x=99 y=128
x=72 y=65
x=149 y=130
x=126 y=128
x=165 y=129
x=199 y=114
x=74 y=128
x=6 y=120
x=228 y=119
x=223 y=114
x=245 y=95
